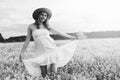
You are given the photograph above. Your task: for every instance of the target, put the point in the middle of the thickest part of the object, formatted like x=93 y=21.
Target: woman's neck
x=40 y=25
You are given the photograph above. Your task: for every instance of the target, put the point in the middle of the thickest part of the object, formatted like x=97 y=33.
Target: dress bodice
x=40 y=33
x=43 y=40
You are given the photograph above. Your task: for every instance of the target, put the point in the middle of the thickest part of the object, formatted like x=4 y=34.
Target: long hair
x=45 y=23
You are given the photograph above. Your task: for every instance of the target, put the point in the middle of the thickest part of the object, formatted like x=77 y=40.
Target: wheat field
x=94 y=59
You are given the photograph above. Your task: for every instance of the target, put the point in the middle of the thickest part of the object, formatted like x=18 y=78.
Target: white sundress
x=48 y=52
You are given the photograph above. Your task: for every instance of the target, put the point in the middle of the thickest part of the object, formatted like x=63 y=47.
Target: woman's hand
x=20 y=58
x=80 y=35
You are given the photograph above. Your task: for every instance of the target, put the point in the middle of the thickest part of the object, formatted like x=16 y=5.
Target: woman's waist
x=41 y=36
x=46 y=44
x=44 y=39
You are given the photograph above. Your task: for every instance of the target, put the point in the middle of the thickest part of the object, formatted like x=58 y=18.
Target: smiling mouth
x=42 y=18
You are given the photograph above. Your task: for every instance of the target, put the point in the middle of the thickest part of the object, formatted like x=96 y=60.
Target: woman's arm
x=28 y=37
x=62 y=34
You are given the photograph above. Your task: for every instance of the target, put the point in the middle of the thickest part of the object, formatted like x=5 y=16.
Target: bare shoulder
x=31 y=27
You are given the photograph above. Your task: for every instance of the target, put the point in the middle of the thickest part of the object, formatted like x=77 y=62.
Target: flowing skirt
x=60 y=56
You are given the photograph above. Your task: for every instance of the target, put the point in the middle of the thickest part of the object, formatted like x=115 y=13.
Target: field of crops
x=94 y=59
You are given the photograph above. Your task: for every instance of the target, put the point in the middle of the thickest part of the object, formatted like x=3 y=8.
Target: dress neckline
x=38 y=29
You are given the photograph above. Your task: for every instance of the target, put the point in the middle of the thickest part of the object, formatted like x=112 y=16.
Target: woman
x=50 y=56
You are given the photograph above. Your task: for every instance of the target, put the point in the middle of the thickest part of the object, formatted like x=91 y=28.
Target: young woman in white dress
x=50 y=56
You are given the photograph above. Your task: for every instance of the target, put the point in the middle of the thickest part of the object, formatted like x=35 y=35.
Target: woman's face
x=42 y=17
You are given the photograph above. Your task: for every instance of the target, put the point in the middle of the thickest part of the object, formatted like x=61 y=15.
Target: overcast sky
x=68 y=15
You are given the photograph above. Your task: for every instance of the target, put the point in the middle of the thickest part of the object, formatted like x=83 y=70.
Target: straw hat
x=37 y=12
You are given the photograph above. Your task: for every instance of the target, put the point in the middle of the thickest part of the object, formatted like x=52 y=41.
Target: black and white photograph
x=59 y=40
